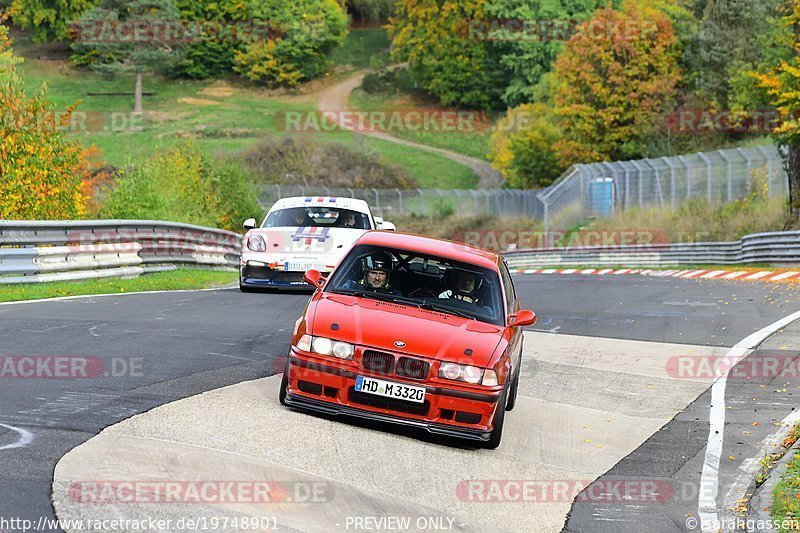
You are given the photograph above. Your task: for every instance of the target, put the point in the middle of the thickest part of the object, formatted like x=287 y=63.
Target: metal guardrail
x=38 y=251
x=780 y=248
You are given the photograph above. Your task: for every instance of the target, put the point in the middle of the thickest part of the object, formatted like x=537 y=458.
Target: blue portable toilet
x=601 y=192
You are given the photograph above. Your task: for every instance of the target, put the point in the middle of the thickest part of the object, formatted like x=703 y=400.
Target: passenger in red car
x=466 y=288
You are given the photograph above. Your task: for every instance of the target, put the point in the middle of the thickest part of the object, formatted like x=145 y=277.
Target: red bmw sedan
x=411 y=330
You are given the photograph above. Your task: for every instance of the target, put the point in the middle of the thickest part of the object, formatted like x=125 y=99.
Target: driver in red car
x=466 y=288
x=377 y=275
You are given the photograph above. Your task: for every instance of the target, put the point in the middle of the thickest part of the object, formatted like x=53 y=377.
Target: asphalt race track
x=600 y=354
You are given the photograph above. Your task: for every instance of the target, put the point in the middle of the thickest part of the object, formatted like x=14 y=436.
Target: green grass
x=786 y=503
x=221 y=123
x=181 y=279
x=360 y=46
x=234 y=123
x=471 y=143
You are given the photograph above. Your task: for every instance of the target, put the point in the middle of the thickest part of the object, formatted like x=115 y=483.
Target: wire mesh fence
x=426 y=202
x=603 y=189
x=593 y=190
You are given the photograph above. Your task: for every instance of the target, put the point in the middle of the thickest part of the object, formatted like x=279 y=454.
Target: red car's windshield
x=422 y=280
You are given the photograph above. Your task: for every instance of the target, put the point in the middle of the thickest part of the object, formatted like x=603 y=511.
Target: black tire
x=512 y=393
x=499 y=418
x=244 y=288
x=284 y=383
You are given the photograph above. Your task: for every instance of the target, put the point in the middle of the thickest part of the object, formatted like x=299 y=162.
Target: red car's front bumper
x=327 y=385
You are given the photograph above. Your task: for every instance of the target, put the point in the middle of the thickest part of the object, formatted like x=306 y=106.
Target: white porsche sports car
x=300 y=234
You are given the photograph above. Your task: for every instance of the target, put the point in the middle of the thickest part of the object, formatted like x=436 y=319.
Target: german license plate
x=390 y=389
x=301 y=266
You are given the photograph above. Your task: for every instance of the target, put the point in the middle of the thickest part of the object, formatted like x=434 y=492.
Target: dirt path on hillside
x=335 y=98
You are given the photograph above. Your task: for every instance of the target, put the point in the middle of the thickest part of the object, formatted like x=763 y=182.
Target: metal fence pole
x=724 y=155
x=682 y=159
x=746 y=156
x=612 y=170
x=400 y=198
x=641 y=181
x=708 y=176
x=672 y=186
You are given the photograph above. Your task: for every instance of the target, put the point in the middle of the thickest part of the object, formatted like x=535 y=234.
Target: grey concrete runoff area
x=604 y=402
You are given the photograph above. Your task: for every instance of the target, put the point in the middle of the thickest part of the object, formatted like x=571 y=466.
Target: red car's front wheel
x=284 y=383
x=499 y=418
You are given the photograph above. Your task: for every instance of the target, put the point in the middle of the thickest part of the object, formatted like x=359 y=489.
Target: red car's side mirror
x=523 y=318
x=313 y=277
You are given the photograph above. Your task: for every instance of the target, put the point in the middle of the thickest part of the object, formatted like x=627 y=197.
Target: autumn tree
x=526 y=36
x=7 y=57
x=49 y=20
x=733 y=37
x=783 y=86
x=41 y=169
x=307 y=32
x=521 y=147
x=613 y=84
x=134 y=36
x=447 y=52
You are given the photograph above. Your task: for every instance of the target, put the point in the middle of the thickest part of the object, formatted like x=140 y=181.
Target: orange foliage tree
x=41 y=169
x=614 y=82
x=783 y=86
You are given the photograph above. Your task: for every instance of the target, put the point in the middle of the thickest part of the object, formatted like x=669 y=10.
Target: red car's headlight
x=466 y=373
x=324 y=346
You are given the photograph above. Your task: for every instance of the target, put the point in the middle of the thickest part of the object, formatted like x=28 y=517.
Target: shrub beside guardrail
x=38 y=251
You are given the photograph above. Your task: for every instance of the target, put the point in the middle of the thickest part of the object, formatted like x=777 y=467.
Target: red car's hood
x=379 y=324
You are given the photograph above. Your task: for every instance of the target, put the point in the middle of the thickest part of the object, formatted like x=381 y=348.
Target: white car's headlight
x=256 y=243
x=466 y=373
x=323 y=346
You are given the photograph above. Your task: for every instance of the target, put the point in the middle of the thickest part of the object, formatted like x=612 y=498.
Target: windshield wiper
x=444 y=309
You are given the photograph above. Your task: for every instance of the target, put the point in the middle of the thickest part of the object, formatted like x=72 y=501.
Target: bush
x=40 y=169
x=432 y=36
x=49 y=19
x=310 y=30
x=183 y=185
x=212 y=56
x=522 y=147
x=298 y=161
x=372 y=10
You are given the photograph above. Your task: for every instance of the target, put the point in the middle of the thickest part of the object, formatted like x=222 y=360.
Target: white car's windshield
x=311 y=217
